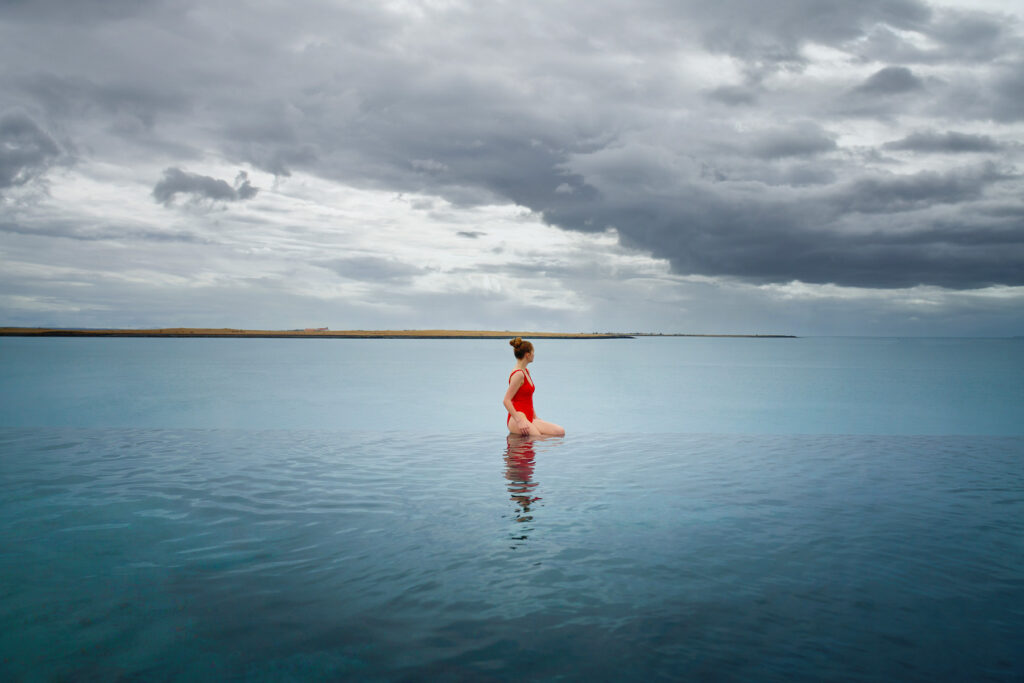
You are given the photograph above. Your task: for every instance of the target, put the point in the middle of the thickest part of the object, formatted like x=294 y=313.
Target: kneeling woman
x=519 y=397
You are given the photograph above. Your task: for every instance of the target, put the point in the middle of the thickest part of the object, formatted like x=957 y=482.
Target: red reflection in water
x=519 y=461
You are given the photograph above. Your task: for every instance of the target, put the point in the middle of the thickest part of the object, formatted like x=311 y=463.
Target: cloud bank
x=861 y=146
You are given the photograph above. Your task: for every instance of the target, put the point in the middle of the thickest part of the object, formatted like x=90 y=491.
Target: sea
x=720 y=509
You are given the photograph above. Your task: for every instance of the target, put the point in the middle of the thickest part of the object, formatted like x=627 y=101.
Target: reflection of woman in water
x=519 y=472
x=519 y=397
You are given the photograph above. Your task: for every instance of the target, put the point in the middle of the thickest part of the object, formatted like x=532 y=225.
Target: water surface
x=778 y=510
x=702 y=385
x=317 y=555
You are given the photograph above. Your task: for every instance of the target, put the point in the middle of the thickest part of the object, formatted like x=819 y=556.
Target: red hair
x=521 y=347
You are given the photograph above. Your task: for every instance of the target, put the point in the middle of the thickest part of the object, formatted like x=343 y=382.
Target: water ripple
x=392 y=555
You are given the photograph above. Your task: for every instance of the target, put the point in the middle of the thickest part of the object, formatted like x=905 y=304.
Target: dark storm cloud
x=592 y=119
x=895 y=194
x=770 y=244
x=877 y=231
x=892 y=80
x=200 y=187
x=950 y=142
x=26 y=150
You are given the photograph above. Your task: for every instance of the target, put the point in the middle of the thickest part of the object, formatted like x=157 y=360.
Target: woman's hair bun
x=517 y=342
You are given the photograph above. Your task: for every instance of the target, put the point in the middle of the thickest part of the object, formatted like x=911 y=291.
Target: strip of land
x=308 y=333
x=345 y=334
x=737 y=336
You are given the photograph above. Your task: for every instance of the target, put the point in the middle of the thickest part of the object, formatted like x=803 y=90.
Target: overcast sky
x=738 y=166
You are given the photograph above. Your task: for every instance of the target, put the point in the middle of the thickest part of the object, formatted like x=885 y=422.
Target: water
x=644 y=385
x=336 y=510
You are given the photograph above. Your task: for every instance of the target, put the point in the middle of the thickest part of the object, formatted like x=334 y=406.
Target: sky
x=808 y=167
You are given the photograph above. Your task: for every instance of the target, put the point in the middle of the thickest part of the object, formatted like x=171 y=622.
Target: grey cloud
x=995 y=94
x=884 y=44
x=372 y=269
x=67 y=96
x=243 y=188
x=1013 y=211
x=87 y=11
x=896 y=194
x=493 y=103
x=887 y=94
x=804 y=174
x=543 y=265
x=950 y=142
x=892 y=80
x=795 y=174
x=281 y=161
x=200 y=187
x=805 y=139
x=470 y=234
x=269 y=140
x=733 y=95
x=877 y=32
x=955 y=36
x=876 y=231
x=75 y=230
x=1008 y=92
x=26 y=150
x=428 y=165
x=278 y=159
x=772 y=33
x=972 y=36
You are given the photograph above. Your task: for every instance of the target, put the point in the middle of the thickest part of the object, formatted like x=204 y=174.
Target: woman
x=519 y=397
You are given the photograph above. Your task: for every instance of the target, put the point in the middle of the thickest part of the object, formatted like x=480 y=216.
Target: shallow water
x=700 y=385
x=722 y=509
x=307 y=555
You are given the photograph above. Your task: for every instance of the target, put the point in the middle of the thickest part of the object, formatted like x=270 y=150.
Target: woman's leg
x=548 y=428
x=514 y=429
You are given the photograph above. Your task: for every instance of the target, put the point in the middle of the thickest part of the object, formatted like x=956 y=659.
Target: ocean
x=316 y=509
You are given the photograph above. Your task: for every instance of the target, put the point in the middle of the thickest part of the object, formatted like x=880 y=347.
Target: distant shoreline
x=728 y=336
x=203 y=332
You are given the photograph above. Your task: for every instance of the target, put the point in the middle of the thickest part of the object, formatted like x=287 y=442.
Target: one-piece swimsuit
x=523 y=400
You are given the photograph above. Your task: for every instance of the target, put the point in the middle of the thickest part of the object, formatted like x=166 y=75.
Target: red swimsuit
x=523 y=400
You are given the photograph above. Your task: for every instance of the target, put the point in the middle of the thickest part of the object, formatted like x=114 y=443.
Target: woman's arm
x=522 y=424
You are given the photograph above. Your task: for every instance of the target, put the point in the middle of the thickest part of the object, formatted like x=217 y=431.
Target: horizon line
x=342 y=334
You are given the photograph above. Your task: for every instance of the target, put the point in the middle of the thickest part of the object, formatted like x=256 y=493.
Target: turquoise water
x=644 y=385
x=334 y=510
